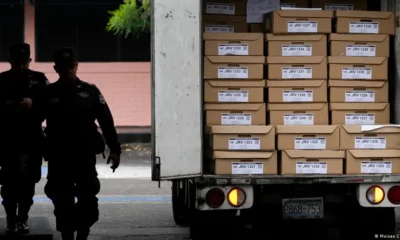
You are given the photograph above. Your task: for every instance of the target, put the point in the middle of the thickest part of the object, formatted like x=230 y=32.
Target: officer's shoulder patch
x=102 y=99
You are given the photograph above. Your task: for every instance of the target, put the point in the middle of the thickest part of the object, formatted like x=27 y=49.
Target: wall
x=126 y=86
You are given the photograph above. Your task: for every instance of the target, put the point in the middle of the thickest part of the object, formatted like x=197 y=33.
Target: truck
x=362 y=205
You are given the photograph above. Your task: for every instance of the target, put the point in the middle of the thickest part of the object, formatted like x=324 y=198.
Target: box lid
x=232 y=36
x=359 y=106
x=371 y=129
x=377 y=154
x=295 y=60
x=294 y=38
x=355 y=84
x=357 y=60
x=237 y=83
x=235 y=59
x=358 y=37
x=235 y=106
x=312 y=154
x=295 y=83
x=296 y=107
x=239 y=129
x=242 y=155
x=317 y=129
x=305 y=13
x=223 y=19
x=363 y=14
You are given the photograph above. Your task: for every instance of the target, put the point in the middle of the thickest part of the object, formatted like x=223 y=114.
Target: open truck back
x=179 y=149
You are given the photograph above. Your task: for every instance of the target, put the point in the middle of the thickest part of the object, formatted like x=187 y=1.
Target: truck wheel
x=366 y=223
x=180 y=207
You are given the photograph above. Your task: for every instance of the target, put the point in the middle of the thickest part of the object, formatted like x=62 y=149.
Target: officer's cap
x=65 y=57
x=20 y=51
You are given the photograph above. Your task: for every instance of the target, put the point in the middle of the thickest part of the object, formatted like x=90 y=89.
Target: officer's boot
x=22 y=223
x=83 y=234
x=67 y=235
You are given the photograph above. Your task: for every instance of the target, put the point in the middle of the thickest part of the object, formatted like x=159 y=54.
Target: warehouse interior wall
x=125 y=85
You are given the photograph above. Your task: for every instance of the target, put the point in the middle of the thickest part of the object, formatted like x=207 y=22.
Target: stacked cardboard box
x=224 y=16
x=240 y=141
x=359 y=68
x=340 y=4
x=297 y=66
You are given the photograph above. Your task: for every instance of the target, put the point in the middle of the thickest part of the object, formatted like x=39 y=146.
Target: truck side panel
x=176 y=85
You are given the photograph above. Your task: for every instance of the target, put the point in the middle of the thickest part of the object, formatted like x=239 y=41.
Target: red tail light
x=393 y=195
x=215 y=197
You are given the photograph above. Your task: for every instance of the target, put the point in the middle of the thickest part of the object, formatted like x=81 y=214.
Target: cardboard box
x=239 y=163
x=298 y=21
x=256 y=27
x=312 y=162
x=234 y=67
x=297 y=68
x=242 y=138
x=369 y=137
x=224 y=23
x=235 y=114
x=294 y=3
x=224 y=7
x=360 y=113
x=300 y=91
x=359 y=45
x=352 y=91
x=365 y=22
x=340 y=4
x=298 y=114
x=296 y=45
x=358 y=68
x=234 y=44
x=216 y=91
x=308 y=137
x=372 y=161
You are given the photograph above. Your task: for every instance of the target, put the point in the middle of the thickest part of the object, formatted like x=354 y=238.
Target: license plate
x=303 y=208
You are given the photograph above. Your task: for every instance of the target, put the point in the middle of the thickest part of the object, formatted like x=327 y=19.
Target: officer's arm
x=106 y=121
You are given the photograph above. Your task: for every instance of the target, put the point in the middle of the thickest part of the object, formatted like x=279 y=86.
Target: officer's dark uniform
x=20 y=135
x=70 y=110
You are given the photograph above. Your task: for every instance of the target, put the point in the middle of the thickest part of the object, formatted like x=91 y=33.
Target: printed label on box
x=360 y=96
x=310 y=143
x=218 y=8
x=357 y=73
x=376 y=167
x=296 y=73
x=370 y=143
x=332 y=6
x=236 y=118
x=303 y=26
x=233 y=72
x=244 y=144
x=299 y=50
x=311 y=168
x=233 y=49
x=298 y=96
x=233 y=96
x=302 y=119
x=247 y=168
x=220 y=28
x=364 y=27
x=361 y=50
x=360 y=119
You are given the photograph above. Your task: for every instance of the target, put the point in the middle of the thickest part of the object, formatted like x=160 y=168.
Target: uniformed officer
x=20 y=137
x=71 y=107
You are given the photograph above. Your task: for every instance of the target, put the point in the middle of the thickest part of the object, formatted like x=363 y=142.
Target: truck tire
x=180 y=206
x=367 y=223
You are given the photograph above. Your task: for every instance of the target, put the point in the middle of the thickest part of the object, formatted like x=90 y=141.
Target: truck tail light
x=394 y=195
x=236 y=197
x=215 y=197
x=375 y=195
